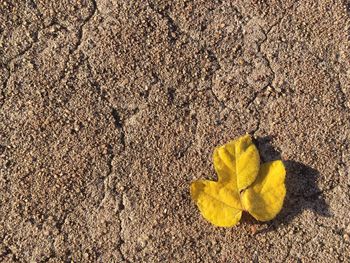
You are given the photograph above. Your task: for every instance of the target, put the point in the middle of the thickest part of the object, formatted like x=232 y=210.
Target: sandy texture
x=109 y=109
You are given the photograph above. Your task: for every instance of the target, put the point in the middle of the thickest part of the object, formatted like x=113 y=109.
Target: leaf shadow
x=302 y=194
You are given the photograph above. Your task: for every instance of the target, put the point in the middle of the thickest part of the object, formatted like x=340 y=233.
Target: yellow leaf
x=217 y=203
x=236 y=164
x=242 y=185
x=264 y=198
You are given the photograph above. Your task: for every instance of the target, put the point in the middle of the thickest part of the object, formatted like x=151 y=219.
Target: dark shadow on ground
x=301 y=183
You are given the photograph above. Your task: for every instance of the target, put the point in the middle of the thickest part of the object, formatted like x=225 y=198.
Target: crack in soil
x=121 y=230
x=119 y=125
x=80 y=34
x=7 y=64
x=259 y=44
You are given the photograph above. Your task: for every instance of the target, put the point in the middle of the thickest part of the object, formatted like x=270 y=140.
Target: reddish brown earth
x=109 y=109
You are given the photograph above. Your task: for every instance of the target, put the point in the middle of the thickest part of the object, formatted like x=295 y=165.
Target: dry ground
x=109 y=109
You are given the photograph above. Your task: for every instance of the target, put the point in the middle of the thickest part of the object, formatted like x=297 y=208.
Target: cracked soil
x=109 y=109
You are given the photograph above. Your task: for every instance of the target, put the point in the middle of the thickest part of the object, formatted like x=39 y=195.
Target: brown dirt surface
x=109 y=109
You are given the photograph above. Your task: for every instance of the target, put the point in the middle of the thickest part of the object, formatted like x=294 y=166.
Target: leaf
x=242 y=185
x=217 y=203
x=264 y=198
x=237 y=165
